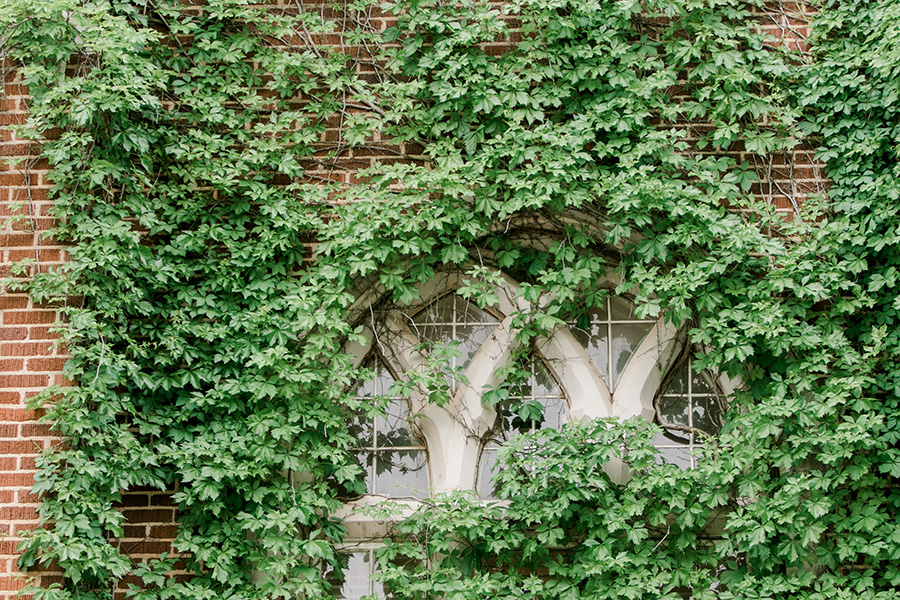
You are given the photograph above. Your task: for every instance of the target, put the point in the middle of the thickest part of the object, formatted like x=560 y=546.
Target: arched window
x=542 y=405
x=607 y=363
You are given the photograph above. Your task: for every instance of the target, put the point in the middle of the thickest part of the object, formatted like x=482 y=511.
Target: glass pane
x=441 y=311
x=439 y=334
x=361 y=429
x=379 y=384
x=706 y=414
x=680 y=457
x=601 y=313
x=544 y=383
x=621 y=309
x=701 y=383
x=674 y=410
x=679 y=382
x=393 y=428
x=555 y=411
x=626 y=337
x=596 y=342
x=470 y=338
x=357 y=576
x=365 y=389
x=486 y=470
x=402 y=473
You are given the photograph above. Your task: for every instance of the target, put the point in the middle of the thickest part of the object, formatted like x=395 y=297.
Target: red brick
x=147 y=547
x=8 y=463
x=134 y=531
x=150 y=515
x=10 y=397
x=42 y=332
x=25 y=348
x=16 y=89
x=15 y=381
x=9 y=365
x=163 y=532
x=17 y=480
x=54 y=305
x=32 y=224
x=46 y=364
x=8 y=302
x=8 y=430
x=62 y=381
x=11 y=119
x=12 y=240
x=25 y=496
x=36 y=430
x=18 y=414
x=20 y=149
x=160 y=500
x=15 y=179
x=40 y=195
x=41 y=164
x=18 y=447
x=17 y=513
x=39 y=255
x=23 y=317
x=11 y=583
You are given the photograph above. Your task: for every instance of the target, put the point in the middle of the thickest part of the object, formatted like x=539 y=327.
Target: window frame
x=454 y=434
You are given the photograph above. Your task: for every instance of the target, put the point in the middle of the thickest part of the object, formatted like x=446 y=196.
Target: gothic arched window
x=443 y=436
x=607 y=363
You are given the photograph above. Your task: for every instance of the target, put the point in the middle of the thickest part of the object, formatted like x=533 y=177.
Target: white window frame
x=454 y=433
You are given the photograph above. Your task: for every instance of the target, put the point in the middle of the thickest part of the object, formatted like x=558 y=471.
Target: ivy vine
x=217 y=248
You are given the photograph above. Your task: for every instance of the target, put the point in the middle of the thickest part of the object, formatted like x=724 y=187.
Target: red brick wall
x=29 y=357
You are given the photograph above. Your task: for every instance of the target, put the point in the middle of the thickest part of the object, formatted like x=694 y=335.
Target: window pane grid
x=540 y=387
x=612 y=337
x=394 y=461
x=691 y=402
x=452 y=319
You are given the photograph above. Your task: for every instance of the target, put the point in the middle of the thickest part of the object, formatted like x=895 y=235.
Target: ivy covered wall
x=229 y=178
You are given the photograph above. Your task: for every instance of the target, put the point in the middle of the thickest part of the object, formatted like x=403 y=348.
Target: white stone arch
x=454 y=433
